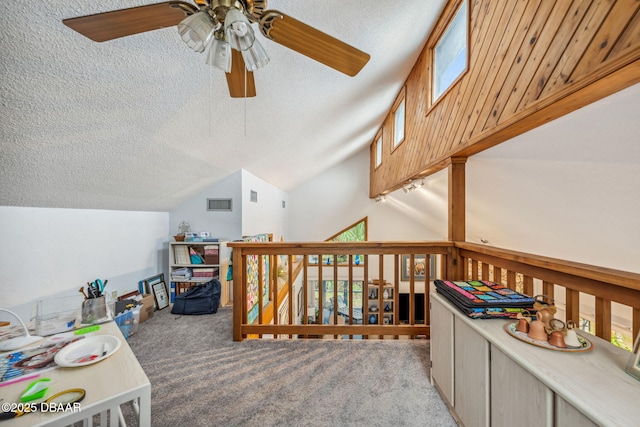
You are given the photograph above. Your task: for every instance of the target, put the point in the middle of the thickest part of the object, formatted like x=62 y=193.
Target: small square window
x=450 y=54
x=398 y=124
x=379 y=150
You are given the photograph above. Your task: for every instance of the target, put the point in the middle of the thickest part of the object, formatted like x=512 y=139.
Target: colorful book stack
x=481 y=299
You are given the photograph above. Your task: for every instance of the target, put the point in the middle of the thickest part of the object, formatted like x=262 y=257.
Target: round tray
x=511 y=330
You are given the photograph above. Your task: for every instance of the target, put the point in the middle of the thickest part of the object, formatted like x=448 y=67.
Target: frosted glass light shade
x=196 y=30
x=238 y=31
x=255 y=57
x=220 y=55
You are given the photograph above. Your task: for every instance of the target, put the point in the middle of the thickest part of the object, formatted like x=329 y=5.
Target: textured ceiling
x=142 y=123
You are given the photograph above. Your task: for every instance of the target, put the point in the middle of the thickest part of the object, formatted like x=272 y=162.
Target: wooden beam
x=457 y=231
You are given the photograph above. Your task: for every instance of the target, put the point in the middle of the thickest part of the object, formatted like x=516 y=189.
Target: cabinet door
x=517 y=395
x=441 y=345
x=568 y=416
x=471 y=378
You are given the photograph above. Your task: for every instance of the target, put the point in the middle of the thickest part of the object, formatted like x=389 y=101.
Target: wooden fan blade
x=313 y=43
x=235 y=79
x=125 y=22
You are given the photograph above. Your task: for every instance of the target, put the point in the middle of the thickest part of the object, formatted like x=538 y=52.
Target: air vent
x=254 y=196
x=219 y=205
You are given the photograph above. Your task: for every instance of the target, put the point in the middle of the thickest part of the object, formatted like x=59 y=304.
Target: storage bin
x=59 y=314
x=128 y=321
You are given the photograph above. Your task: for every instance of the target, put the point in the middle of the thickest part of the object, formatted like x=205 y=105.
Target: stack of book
x=181 y=274
x=205 y=273
x=211 y=254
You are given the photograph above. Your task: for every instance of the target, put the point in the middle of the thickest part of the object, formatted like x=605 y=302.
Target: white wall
x=225 y=225
x=46 y=252
x=267 y=214
x=246 y=218
x=573 y=196
x=340 y=196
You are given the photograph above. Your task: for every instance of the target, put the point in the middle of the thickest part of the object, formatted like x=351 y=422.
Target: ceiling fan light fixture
x=238 y=31
x=220 y=54
x=255 y=57
x=196 y=30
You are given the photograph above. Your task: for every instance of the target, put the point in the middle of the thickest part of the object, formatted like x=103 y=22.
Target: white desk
x=109 y=383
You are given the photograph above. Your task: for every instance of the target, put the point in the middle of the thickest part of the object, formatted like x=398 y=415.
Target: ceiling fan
x=224 y=27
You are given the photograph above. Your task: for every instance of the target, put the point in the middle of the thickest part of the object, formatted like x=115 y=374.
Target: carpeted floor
x=200 y=377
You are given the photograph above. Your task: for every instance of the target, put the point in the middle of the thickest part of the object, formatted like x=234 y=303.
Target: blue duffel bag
x=200 y=299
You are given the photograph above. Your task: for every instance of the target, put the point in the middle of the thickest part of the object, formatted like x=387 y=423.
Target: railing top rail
x=342 y=248
x=390 y=246
x=602 y=274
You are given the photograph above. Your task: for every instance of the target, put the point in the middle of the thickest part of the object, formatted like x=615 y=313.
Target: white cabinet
x=516 y=394
x=471 y=378
x=460 y=366
x=489 y=378
x=441 y=346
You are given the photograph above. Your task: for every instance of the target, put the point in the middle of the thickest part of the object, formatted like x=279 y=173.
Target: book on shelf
x=205 y=272
x=181 y=253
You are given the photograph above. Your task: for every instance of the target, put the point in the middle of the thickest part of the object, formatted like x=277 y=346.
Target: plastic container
x=56 y=315
x=128 y=321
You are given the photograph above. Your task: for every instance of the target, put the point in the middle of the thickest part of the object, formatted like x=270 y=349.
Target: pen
x=17 y=380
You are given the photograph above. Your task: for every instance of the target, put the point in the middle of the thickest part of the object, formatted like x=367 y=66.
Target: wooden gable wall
x=529 y=62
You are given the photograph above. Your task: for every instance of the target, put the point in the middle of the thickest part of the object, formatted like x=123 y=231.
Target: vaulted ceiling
x=142 y=122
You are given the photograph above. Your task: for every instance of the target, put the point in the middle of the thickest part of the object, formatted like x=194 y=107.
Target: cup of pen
x=94 y=309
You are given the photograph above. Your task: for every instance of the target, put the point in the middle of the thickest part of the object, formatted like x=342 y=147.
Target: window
x=379 y=150
x=450 y=54
x=398 y=120
x=354 y=233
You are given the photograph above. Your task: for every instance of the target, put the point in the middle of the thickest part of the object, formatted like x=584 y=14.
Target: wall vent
x=219 y=205
x=254 y=196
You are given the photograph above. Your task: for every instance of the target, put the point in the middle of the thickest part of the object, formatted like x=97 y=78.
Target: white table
x=109 y=383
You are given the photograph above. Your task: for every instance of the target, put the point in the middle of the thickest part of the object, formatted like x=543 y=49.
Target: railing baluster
x=412 y=290
x=427 y=279
x=320 y=318
x=573 y=305
x=335 y=292
x=474 y=269
x=380 y=288
x=497 y=275
x=603 y=318
x=305 y=290
x=528 y=285
x=548 y=290
x=290 y=289
x=635 y=323
x=350 y=292
x=485 y=271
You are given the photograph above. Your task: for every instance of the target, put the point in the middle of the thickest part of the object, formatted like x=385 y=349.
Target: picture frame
x=418 y=267
x=146 y=284
x=160 y=295
x=633 y=364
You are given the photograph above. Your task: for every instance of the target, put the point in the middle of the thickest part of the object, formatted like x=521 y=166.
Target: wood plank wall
x=529 y=62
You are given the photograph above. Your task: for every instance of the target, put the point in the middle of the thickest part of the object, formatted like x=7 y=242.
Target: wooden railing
x=293 y=277
x=574 y=281
x=286 y=302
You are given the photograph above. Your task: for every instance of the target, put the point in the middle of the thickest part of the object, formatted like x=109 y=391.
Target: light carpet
x=201 y=377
